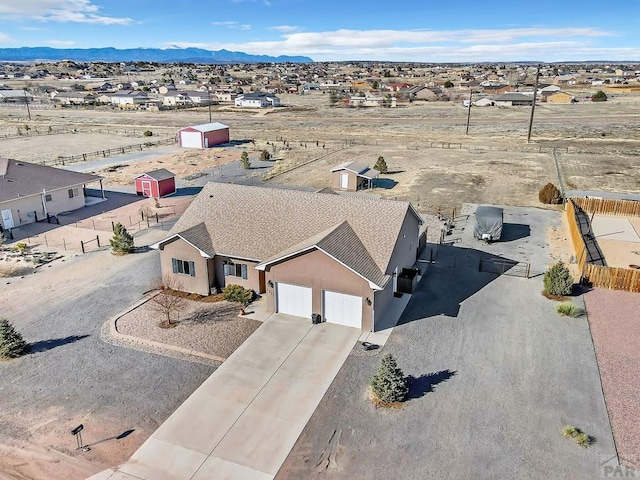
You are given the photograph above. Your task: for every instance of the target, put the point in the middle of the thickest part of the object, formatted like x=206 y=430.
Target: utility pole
x=26 y=99
x=469 y=110
x=533 y=105
x=209 y=102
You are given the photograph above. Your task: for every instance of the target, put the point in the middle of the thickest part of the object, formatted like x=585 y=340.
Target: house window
x=74 y=192
x=47 y=197
x=183 y=266
x=235 y=270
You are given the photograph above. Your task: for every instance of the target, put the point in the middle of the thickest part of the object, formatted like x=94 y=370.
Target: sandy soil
x=613 y=316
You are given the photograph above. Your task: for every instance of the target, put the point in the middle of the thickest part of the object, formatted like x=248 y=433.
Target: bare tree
x=167 y=303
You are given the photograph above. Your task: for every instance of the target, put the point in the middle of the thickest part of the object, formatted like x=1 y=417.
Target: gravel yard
x=211 y=328
x=613 y=316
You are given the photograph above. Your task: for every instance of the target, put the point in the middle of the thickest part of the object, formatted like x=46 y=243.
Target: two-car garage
x=338 y=308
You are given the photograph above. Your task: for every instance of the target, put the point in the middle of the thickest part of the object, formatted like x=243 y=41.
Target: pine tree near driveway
x=12 y=345
x=122 y=241
x=389 y=384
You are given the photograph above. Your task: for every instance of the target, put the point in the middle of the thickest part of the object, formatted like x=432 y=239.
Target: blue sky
x=425 y=31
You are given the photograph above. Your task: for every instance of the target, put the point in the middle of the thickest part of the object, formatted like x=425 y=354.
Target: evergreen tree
x=12 y=344
x=244 y=160
x=122 y=241
x=558 y=280
x=389 y=383
x=381 y=165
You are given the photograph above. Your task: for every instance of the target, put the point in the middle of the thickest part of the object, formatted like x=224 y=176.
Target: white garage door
x=342 y=309
x=191 y=139
x=293 y=300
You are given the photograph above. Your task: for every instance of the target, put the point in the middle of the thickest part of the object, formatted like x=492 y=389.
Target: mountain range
x=158 y=55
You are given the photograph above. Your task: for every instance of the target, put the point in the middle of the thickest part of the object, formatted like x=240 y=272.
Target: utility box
x=489 y=221
x=408 y=280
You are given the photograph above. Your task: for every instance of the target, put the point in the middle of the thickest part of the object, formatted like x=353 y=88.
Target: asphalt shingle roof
x=160 y=174
x=259 y=223
x=22 y=179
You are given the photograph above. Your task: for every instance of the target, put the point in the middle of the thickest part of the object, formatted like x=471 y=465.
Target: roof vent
x=19 y=164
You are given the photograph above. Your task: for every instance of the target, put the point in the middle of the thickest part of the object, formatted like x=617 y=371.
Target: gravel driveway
x=74 y=377
x=495 y=374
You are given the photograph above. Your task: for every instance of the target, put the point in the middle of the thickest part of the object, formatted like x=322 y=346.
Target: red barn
x=203 y=136
x=156 y=184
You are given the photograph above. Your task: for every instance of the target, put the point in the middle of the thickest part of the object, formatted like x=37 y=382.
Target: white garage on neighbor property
x=203 y=136
x=293 y=300
x=342 y=309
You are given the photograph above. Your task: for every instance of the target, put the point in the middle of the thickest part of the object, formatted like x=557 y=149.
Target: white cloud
x=285 y=28
x=264 y=2
x=60 y=43
x=77 y=11
x=530 y=43
x=4 y=38
x=233 y=25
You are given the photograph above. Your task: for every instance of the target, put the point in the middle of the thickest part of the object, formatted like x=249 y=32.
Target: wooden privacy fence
x=576 y=236
x=603 y=206
x=614 y=278
x=627 y=279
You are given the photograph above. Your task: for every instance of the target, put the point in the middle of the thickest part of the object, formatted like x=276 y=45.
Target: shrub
x=599 y=96
x=550 y=195
x=12 y=344
x=568 y=309
x=569 y=431
x=381 y=165
x=122 y=241
x=265 y=155
x=389 y=384
x=558 y=280
x=244 y=160
x=238 y=294
x=583 y=439
x=21 y=247
x=148 y=133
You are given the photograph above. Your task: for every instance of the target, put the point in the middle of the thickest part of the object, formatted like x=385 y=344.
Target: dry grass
x=380 y=404
x=14 y=269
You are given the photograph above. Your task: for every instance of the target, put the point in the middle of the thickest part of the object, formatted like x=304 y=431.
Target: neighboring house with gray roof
x=306 y=252
x=29 y=192
x=352 y=176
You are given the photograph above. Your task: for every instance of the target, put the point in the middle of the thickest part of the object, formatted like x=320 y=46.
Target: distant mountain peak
x=170 y=54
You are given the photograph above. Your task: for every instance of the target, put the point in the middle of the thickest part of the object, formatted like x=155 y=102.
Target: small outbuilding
x=489 y=222
x=353 y=176
x=206 y=135
x=156 y=184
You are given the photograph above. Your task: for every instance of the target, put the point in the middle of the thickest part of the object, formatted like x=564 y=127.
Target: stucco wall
x=404 y=256
x=181 y=250
x=319 y=271
x=60 y=202
x=253 y=276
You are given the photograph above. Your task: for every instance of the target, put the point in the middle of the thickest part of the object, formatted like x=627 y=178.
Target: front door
x=7 y=218
x=146 y=188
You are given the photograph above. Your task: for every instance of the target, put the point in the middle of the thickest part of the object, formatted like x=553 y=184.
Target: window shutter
x=174 y=264
x=192 y=269
x=244 y=271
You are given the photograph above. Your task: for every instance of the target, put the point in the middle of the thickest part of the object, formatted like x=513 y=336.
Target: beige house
x=560 y=97
x=308 y=253
x=30 y=192
x=352 y=176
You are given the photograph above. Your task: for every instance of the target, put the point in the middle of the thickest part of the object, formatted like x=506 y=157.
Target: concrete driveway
x=243 y=421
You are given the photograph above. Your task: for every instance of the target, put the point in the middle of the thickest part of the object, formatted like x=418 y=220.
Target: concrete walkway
x=242 y=421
